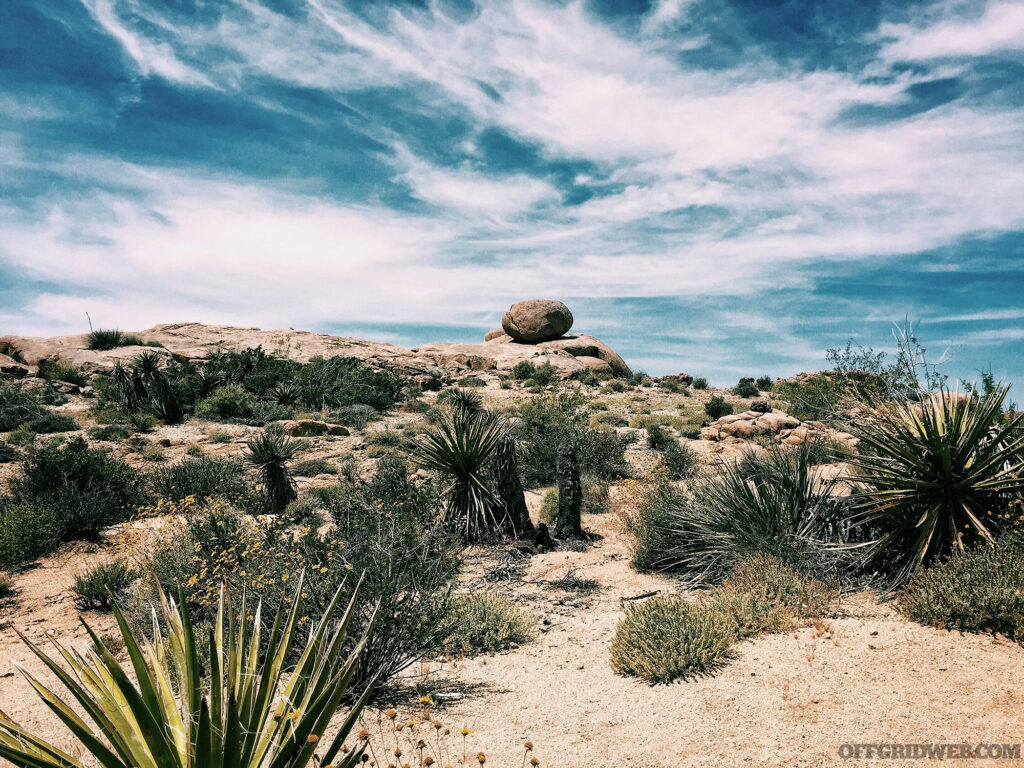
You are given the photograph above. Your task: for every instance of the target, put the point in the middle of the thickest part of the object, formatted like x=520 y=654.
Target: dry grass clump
x=667 y=638
x=981 y=590
x=485 y=622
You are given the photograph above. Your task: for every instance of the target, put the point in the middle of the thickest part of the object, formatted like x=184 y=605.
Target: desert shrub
x=609 y=418
x=98 y=587
x=51 y=370
x=746 y=388
x=314 y=467
x=596 y=499
x=612 y=387
x=666 y=638
x=21 y=437
x=103 y=339
x=680 y=460
x=761 y=406
x=355 y=416
x=48 y=395
x=27 y=531
x=700 y=383
x=386 y=442
x=771 y=503
x=86 y=488
x=18 y=405
x=218 y=436
x=936 y=476
x=485 y=622
x=764 y=383
x=150 y=385
x=333 y=383
x=549 y=506
x=153 y=453
x=8 y=453
x=545 y=374
x=797 y=593
x=205 y=477
x=52 y=422
x=6 y=586
x=554 y=420
x=227 y=403
x=981 y=590
x=110 y=432
x=142 y=422
x=658 y=438
x=524 y=370
x=462 y=399
x=472 y=381
x=716 y=407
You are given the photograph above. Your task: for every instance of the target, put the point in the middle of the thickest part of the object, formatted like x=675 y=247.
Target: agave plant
x=938 y=475
x=239 y=714
x=460 y=447
x=270 y=453
x=103 y=339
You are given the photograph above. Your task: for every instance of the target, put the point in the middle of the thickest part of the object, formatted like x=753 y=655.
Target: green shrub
x=314 y=467
x=764 y=383
x=205 y=477
x=227 y=403
x=700 y=383
x=462 y=399
x=26 y=531
x=472 y=381
x=153 y=453
x=798 y=594
x=8 y=453
x=110 y=432
x=746 y=388
x=98 y=587
x=981 y=590
x=86 y=488
x=680 y=460
x=355 y=416
x=18 y=405
x=52 y=422
x=22 y=437
x=6 y=586
x=142 y=422
x=716 y=407
x=941 y=475
x=524 y=370
x=595 y=495
x=666 y=638
x=485 y=622
x=545 y=374
x=336 y=382
x=54 y=371
x=609 y=418
x=550 y=421
x=549 y=507
x=657 y=438
x=218 y=436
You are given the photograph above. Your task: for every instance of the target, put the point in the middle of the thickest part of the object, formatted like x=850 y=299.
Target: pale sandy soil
x=783 y=700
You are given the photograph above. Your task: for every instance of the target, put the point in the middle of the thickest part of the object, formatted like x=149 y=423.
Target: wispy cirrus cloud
x=430 y=164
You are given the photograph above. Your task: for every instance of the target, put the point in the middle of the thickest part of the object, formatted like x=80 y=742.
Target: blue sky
x=724 y=187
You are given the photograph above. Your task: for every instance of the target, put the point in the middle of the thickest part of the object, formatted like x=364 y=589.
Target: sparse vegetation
x=484 y=622
x=97 y=588
x=104 y=339
x=716 y=407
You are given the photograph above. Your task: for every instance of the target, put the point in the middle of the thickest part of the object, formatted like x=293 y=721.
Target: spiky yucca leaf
x=938 y=475
x=460 y=447
x=269 y=452
x=248 y=719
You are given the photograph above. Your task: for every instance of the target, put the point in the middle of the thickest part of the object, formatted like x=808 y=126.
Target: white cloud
x=999 y=28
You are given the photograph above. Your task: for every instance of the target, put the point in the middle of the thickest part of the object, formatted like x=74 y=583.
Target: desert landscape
x=572 y=563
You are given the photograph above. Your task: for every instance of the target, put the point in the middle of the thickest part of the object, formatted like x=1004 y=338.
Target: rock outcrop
x=775 y=425
x=194 y=341
x=536 y=320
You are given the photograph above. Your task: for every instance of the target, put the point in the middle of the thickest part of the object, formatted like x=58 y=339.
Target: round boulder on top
x=536 y=320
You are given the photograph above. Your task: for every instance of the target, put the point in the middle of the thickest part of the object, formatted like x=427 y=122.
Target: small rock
x=313 y=428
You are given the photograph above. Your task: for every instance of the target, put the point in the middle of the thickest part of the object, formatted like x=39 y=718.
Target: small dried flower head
x=428 y=760
x=392 y=714
x=529 y=746
x=421 y=744
x=464 y=731
x=398 y=751
x=481 y=758
x=364 y=734
x=437 y=725
x=534 y=762
x=365 y=758
x=312 y=738
x=426 y=700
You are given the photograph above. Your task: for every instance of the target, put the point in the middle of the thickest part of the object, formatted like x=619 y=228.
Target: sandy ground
x=865 y=675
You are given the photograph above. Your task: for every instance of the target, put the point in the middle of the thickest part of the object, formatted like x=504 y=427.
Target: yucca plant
x=238 y=715
x=270 y=453
x=773 y=503
x=103 y=339
x=937 y=475
x=463 y=400
x=460 y=447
